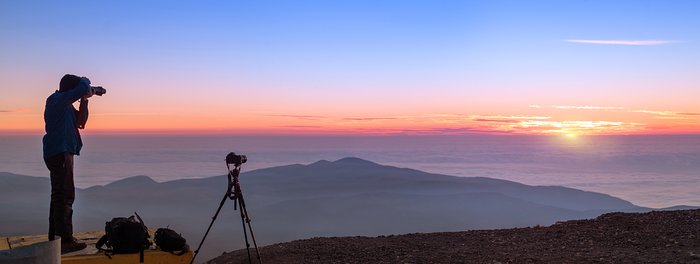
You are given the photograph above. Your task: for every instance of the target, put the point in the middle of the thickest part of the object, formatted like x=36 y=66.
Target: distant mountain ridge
x=346 y=197
x=365 y=176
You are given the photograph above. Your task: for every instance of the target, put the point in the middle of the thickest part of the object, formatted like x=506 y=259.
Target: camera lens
x=98 y=90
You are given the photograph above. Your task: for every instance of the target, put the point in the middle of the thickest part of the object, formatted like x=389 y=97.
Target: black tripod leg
x=239 y=199
x=244 y=210
x=223 y=200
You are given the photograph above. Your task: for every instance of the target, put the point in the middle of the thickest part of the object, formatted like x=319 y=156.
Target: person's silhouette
x=61 y=142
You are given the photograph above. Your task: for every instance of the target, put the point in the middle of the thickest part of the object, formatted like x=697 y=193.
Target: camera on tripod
x=234 y=159
x=234 y=193
x=98 y=90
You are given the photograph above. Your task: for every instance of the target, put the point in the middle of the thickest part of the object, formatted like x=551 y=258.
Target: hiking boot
x=72 y=245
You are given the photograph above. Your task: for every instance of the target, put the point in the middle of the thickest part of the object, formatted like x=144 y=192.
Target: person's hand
x=89 y=94
x=90 y=91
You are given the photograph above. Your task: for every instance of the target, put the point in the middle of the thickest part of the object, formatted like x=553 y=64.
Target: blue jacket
x=61 y=121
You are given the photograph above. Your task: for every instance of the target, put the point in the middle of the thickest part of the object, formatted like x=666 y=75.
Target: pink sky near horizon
x=135 y=107
x=524 y=119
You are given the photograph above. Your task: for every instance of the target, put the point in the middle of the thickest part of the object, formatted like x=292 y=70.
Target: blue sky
x=503 y=53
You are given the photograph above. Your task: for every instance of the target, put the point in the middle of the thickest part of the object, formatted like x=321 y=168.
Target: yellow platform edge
x=91 y=255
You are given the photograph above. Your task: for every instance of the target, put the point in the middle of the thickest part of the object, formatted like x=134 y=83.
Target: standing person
x=61 y=142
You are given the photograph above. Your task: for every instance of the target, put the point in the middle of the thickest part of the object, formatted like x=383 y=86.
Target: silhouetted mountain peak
x=12 y=176
x=140 y=181
x=320 y=163
x=14 y=182
x=354 y=161
x=344 y=163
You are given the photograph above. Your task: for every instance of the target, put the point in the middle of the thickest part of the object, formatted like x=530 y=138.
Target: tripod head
x=237 y=160
x=234 y=187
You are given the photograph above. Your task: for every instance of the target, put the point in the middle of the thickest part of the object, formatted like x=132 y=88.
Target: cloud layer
x=565 y=119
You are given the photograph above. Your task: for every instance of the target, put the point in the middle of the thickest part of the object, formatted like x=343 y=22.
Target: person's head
x=68 y=82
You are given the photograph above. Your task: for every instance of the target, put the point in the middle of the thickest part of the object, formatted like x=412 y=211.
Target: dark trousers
x=62 y=196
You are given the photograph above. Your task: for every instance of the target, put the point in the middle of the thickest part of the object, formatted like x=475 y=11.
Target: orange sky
x=530 y=119
x=245 y=108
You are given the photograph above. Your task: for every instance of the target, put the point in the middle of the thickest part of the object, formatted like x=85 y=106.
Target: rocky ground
x=654 y=237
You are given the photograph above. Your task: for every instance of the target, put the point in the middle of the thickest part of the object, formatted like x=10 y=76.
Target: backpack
x=124 y=236
x=169 y=241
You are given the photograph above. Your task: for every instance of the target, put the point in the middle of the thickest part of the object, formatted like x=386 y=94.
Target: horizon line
x=328 y=134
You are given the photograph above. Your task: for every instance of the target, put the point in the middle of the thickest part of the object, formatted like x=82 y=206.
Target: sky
x=358 y=67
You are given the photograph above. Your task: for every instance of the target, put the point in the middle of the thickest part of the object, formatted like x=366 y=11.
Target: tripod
x=234 y=193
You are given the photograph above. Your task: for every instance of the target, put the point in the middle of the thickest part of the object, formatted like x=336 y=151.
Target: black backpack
x=170 y=241
x=124 y=236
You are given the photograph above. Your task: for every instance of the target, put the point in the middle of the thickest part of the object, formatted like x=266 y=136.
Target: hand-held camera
x=98 y=90
x=236 y=160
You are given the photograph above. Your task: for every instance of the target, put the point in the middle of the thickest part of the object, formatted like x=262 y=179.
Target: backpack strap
x=101 y=243
x=147 y=235
x=139 y=217
x=181 y=252
x=184 y=250
x=145 y=245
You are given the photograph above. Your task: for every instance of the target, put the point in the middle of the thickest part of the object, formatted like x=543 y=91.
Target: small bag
x=170 y=241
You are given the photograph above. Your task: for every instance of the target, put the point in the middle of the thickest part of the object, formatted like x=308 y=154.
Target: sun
x=570 y=135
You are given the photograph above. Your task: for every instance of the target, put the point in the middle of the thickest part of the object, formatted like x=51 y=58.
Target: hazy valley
x=347 y=197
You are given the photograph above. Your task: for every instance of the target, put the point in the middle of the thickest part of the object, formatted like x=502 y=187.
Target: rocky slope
x=654 y=237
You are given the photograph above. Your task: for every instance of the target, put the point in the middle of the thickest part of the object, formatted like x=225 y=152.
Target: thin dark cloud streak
x=369 y=118
x=299 y=126
x=497 y=120
x=665 y=113
x=456 y=131
x=304 y=117
x=128 y=114
x=587 y=107
x=617 y=108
